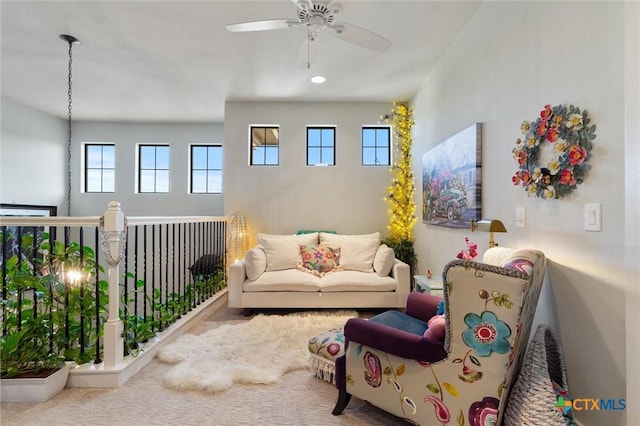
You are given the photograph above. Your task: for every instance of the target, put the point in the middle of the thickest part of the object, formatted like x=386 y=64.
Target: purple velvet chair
x=466 y=378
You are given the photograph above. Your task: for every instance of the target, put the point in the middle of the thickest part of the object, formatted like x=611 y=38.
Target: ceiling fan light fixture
x=336 y=8
x=318 y=79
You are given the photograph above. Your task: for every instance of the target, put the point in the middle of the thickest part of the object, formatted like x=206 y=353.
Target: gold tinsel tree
x=401 y=192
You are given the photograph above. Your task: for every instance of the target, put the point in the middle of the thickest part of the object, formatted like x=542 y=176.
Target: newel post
x=114 y=231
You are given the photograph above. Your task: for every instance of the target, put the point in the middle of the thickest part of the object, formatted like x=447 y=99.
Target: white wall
x=511 y=60
x=347 y=197
x=125 y=136
x=632 y=196
x=32 y=157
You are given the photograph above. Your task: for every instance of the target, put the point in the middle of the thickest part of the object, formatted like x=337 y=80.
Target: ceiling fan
x=317 y=15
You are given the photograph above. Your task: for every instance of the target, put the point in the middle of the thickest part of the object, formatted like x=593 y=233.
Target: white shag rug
x=259 y=351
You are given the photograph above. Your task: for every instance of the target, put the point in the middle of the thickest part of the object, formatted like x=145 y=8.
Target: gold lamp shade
x=490 y=226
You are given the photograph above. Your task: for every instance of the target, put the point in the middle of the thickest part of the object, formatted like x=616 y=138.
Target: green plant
x=50 y=312
x=138 y=329
x=26 y=348
x=47 y=305
x=75 y=328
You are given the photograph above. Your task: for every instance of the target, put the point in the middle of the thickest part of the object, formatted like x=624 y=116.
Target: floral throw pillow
x=319 y=259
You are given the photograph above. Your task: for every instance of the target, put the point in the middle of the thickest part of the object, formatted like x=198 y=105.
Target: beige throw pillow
x=357 y=253
x=384 y=260
x=282 y=251
x=255 y=262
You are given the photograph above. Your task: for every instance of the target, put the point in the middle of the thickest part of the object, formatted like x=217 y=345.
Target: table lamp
x=490 y=226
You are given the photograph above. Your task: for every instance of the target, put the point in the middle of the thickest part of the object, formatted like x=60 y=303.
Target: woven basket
x=532 y=399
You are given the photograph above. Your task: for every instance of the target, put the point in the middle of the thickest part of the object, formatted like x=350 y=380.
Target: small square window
x=153 y=169
x=376 y=146
x=100 y=167
x=321 y=146
x=206 y=169
x=264 y=146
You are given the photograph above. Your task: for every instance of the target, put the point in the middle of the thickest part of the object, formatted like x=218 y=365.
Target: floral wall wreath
x=569 y=132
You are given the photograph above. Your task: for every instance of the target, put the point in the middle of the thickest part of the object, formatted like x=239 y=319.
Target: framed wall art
x=451 y=180
x=27 y=210
x=13 y=234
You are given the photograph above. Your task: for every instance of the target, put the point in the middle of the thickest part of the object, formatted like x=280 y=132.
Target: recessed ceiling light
x=318 y=79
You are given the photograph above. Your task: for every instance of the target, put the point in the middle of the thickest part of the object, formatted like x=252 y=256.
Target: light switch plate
x=520 y=221
x=593 y=217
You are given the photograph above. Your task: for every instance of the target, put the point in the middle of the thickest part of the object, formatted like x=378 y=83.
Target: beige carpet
x=299 y=399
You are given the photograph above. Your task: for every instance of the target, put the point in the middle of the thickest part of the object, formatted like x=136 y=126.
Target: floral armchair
x=466 y=378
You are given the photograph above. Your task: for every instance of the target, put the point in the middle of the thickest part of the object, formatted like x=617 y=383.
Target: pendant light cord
x=69 y=133
x=71 y=40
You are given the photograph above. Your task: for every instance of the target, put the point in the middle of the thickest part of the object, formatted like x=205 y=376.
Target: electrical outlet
x=520 y=221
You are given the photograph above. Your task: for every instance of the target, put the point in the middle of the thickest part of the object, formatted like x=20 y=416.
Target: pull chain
x=308 y=48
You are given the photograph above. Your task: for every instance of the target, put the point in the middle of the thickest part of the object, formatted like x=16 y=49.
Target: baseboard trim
x=97 y=376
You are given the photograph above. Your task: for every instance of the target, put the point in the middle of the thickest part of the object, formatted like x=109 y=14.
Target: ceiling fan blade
x=359 y=36
x=273 y=24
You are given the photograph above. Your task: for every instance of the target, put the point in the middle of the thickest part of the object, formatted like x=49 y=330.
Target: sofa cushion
x=255 y=262
x=356 y=281
x=356 y=251
x=383 y=260
x=401 y=321
x=319 y=259
x=285 y=280
x=357 y=254
x=282 y=250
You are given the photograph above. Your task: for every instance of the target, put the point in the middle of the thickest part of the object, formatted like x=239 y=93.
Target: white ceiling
x=174 y=61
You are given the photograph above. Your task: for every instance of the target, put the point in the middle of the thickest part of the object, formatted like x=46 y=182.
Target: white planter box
x=34 y=390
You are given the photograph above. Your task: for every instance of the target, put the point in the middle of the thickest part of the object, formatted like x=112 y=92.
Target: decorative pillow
x=281 y=251
x=255 y=262
x=357 y=254
x=436 y=328
x=521 y=260
x=383 y=260
x=320 y=258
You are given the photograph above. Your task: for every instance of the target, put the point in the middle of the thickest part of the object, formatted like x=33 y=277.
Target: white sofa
x=355 y=271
